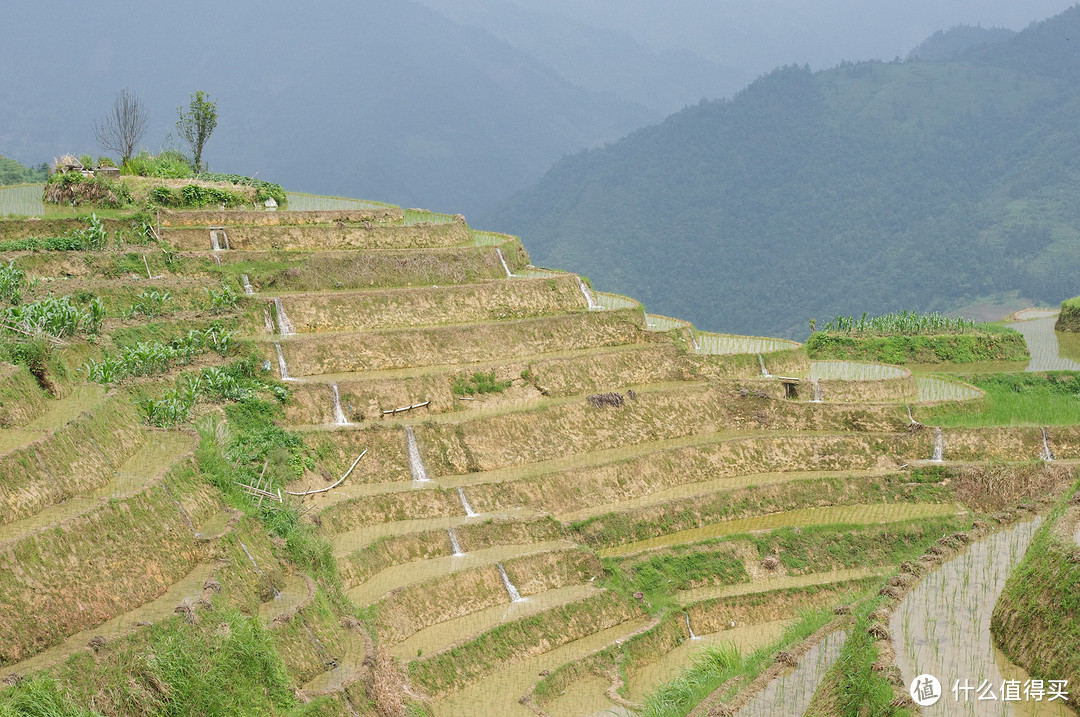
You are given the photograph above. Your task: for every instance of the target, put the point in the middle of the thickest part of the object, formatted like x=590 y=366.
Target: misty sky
x=447 y=104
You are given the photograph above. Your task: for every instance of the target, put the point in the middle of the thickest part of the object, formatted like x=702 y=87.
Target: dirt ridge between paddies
x=314 y=237
x=97 y=565
x=409 y=609
x=169 y=218
x=76 y=457
x=1036 y=621
x=467 y=663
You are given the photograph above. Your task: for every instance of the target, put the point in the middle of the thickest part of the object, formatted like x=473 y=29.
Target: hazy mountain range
x=449 y=104
x=867 y=187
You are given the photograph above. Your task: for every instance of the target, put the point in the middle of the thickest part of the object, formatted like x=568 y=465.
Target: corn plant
x=222 y=299
x=907 y=323
x=11 y=283
x=151 y=302
x=56 y=317
x=147 y=358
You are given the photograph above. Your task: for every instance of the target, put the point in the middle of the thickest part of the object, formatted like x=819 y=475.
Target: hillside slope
x=870 y=185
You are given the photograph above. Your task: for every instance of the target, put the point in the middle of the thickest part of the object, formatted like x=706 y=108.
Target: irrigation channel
x=942 y=628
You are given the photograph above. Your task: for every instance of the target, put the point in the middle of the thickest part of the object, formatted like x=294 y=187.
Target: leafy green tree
x=197 y=123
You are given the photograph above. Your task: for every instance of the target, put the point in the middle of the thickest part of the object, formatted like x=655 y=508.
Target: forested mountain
x=950 y=44
x=866 y=187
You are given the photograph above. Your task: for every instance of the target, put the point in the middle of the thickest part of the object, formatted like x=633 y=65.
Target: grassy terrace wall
x=621 y=480
x=1069 y=318
x=629 y=526
x=879 y=389
x=361 y=564
x=315 y=237
x=404 y=348
x=72 y=459
x=1000 y=345
x=169 y=218
x=1037 y=618
x=465 y=664
x=599 y=371
x=21 y=399
x=553 y=432
x=40 y=227
x=420 y=306
x=92 y=567
x=415 y=607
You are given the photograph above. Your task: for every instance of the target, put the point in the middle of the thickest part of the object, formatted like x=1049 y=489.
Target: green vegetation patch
x=479 y=383
x=990 y=343
x=1037 y=618
x=1041 y=399
x=1069 y=318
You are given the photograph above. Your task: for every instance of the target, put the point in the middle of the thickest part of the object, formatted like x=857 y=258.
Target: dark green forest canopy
x=867 y=187
x=12 y=172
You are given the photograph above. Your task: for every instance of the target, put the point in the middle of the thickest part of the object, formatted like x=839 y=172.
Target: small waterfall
x=509 y=273
x=817 y=390
x=416 y=465
x=281 y=363
x=1047 y=454
x=248 y=288
x=512 y=591
x=593 y=306
x=761 y=361
x=458 y=552
x=690 y=629
x=339 y=415
x=216 y=237
x=285 y=327
x=267 y=321
x=216 y=258
x=909 y=416
x=214 y=241
x=939 y=446
x=693 y=338
x=465 y=504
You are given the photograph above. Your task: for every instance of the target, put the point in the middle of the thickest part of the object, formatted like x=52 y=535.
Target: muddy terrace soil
x=556 y=507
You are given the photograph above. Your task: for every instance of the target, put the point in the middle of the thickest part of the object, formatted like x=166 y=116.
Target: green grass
x=856 y=689
x=715 y=665
x=479 y=383
x=1013 y=399
x=988 y=343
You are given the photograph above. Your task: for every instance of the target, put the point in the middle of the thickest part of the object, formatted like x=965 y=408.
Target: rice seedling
x=905 y=323
x=23 y=200
x=422 y=216
x=481 y=238
x=302 y=202
x=728 y=344
x=612 y=302
x=937 y=389
x=853 y=371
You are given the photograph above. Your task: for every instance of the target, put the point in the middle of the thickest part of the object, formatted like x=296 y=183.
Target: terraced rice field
x=23 y=200
x=504 y=494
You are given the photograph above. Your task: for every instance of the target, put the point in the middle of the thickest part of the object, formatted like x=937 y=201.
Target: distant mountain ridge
x=871 y=186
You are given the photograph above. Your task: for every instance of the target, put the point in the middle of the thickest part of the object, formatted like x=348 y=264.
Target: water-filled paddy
x=853 y=371
x=498 y=693
x=939 y=389
x=1044 y=347
x=942 y=627
x=446 y=633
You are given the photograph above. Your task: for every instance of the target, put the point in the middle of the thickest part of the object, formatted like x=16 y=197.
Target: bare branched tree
x=124 y=125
